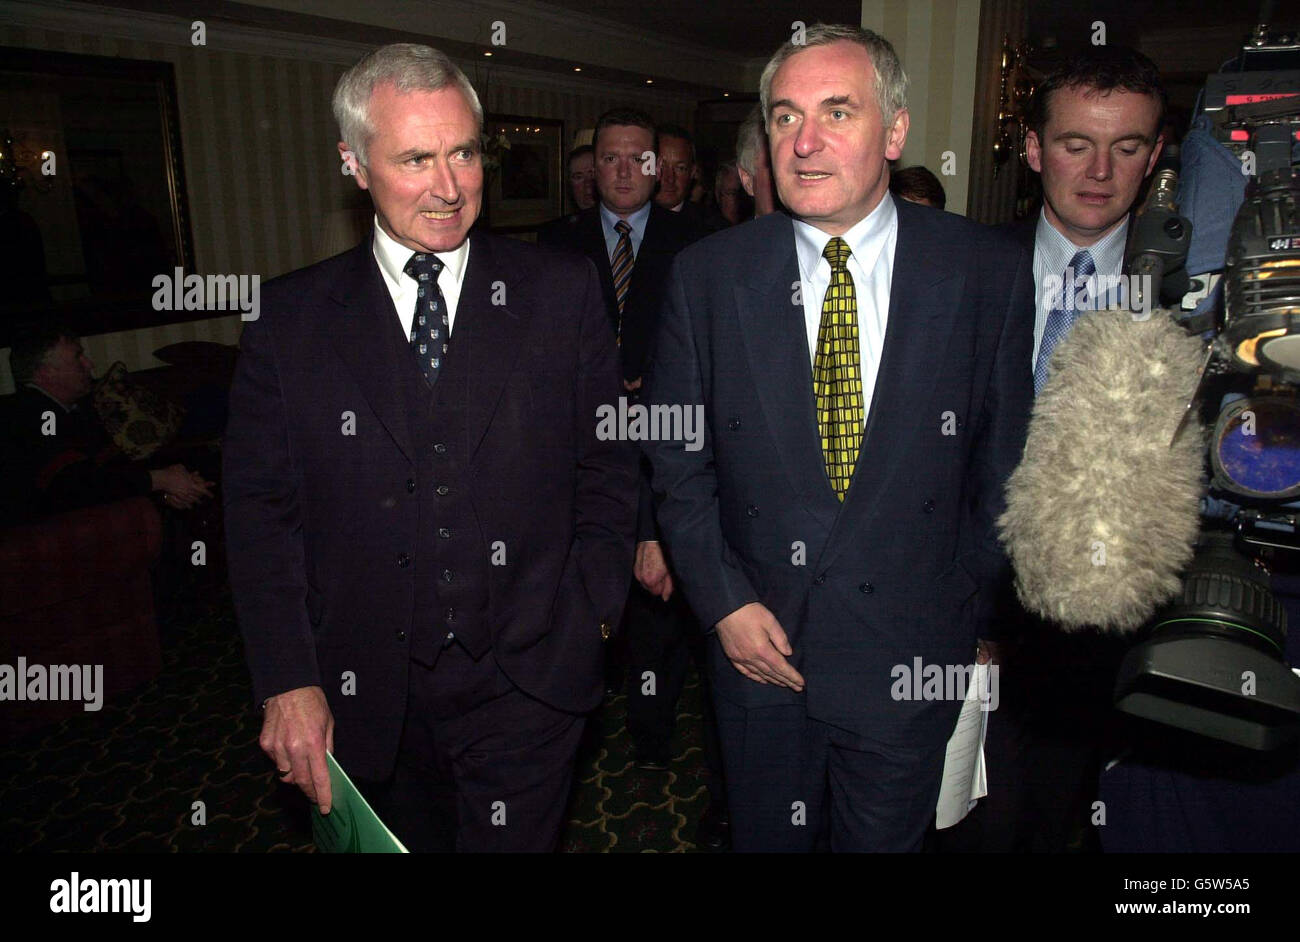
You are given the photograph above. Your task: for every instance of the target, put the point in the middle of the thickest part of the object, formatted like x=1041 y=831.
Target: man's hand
x=297 y=732
x=988 y=651
x=181 y=487
x=651 y=570
x=756 y=644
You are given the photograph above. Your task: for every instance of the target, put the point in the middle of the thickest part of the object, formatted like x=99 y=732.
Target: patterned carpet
x=127 y=778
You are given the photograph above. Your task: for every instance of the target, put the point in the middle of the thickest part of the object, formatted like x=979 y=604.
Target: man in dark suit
x=582 y=193
x=633 y=266
x=626 y=149
x=1094 y=137
x=863 y=373
x=427 y=541
x=678 y=172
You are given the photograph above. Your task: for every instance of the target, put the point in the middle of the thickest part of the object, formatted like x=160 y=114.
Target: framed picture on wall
x=525 y=167
x=92 y=192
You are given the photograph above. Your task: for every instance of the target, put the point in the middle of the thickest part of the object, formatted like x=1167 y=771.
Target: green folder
x=351 y=827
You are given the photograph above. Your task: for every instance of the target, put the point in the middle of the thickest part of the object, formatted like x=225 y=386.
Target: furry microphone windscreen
x=1102 y=512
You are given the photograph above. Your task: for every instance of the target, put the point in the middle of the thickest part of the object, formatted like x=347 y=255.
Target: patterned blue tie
x=1063 y=316
x=429 y=331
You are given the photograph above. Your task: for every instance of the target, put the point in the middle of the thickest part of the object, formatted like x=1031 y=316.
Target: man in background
x=918 y=185
x=582 y=177
x=582 y=191
x=734 y=203
x=57 y=456
x=678 y=172
x=632 y=242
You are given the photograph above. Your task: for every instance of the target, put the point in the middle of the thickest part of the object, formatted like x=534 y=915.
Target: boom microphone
x=1103 y=510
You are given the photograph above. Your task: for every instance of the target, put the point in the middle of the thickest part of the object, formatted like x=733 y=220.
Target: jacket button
x=403 y=560
x=446 y=575
x=444 y=533
x=440 y=449
x=866 y=588
x=752 y=510
x=605 y=630
x=450 y=615
x=733 y=424
x=928 y=506
x=401 y=635
x=820 y=579
x=442 y=490
x=410 y=485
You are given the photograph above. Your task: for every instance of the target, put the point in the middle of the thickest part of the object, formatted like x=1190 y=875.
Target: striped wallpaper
x=262 y=172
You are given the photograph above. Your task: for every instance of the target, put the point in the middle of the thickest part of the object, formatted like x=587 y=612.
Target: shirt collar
x=865 y=238
x=51 y=397
x=1107 y=252
x=636 y=220
x=393 y=256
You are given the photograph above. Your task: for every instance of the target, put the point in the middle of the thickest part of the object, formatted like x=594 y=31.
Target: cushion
x=139 y=421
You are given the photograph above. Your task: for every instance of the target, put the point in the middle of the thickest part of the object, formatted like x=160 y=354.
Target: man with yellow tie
x=863 y=368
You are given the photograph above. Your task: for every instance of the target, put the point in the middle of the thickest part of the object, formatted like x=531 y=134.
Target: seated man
x=57 y=456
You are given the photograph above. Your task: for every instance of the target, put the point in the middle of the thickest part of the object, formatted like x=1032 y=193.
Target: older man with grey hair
x=863 y=366
x=428 y=542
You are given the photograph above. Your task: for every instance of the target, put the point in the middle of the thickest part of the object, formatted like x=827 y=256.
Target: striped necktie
x=1066 y=312
x=837 y=372
x=620 y=267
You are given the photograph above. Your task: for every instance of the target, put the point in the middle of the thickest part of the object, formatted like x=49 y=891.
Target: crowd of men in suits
x=431 y=548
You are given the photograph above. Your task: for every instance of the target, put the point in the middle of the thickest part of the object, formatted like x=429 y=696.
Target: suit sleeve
x=263 y=510
x=1000 y=444
x=606 y=498
x=685 y=483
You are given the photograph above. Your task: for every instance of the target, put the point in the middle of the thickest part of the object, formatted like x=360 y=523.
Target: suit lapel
x=924 y=297
x=487 y=337
x=776 y=344
x=591 y=234
x=368 y=339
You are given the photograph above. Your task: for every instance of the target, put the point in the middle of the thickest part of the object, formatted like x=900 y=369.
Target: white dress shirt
x=1053 y=252
x=392 y=257
x=871 y=242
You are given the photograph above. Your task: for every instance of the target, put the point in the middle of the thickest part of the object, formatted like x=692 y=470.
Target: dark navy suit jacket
x=318 y=522
x=907 y=566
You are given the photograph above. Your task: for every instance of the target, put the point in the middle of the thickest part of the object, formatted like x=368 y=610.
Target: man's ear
x=1155 y=155
x=351 y=166
x=746 y=180
x=897 y=135
x=1034 y=152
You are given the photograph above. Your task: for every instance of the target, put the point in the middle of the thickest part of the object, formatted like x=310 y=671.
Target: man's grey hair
x=891 y=80
x=407 y=66
x=751 y=136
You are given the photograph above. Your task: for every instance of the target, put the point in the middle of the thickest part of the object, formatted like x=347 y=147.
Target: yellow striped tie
x=837 y=372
